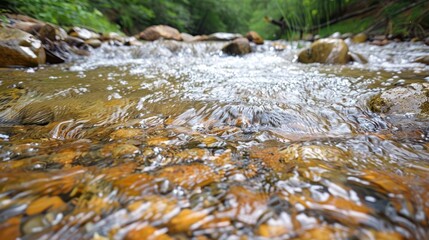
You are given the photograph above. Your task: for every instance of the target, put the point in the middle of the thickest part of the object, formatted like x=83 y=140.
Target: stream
x=174 y=140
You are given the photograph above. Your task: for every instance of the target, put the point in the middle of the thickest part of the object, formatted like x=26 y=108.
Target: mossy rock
x=328 y=50
x=413 y=98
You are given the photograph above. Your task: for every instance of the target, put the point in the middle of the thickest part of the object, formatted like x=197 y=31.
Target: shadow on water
x=175 y=140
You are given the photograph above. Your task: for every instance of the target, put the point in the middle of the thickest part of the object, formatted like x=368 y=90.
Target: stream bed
x=174 y=140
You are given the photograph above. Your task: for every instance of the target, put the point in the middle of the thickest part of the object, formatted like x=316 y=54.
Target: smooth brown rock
x=95 y=43
x=160 y=31
x=254 y=37
x=18 y=48
x=360 y=38
x=239 y=46
x=328 y=50
x=74 y=41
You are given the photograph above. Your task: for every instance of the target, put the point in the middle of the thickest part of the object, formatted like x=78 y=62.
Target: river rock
x=160 y=31
x=357 y=57
x=18 y=48
x=239 y=46
x=95 y=43
x=328 y=50
x=49 y=32
x=132 y=41
x=186 y=37
x=112 y=36
x=413 y=98
x=83 y=33
x=424 y=60
x=254 y=37
x=360 y=38
x=29 y=27
x=336 y=35
x=221 y=36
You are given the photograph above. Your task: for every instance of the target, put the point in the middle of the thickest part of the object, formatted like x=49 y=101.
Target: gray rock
x=221 y=36
x=413 y=98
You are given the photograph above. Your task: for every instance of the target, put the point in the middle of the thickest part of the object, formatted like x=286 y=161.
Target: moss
x=425 y=107
x=378 y=104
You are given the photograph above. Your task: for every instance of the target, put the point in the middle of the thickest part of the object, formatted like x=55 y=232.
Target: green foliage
x=208 y=16
x=65 y=13
x=353 y=25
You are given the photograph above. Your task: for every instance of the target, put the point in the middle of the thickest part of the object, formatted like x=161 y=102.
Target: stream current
x=174 y=140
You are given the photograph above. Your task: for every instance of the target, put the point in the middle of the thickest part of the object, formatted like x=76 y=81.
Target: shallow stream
x=175 y=140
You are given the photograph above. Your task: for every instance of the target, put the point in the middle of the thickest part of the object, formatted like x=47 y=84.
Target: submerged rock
x=329 y=50
x=424 y=60
x=36 y=114
x=239 y=46
x=356 y=57
x=160 y=31
x=413 y=98
x=18 y=48
x=254 y=37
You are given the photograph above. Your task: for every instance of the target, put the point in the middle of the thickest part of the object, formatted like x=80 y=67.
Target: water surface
x=175 y=140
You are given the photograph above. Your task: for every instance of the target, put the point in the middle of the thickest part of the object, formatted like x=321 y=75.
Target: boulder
x=328 y=50
x=239 y=46
x=160 y=31
x=424 y=60
x=18 y=48
x=221 y=36
x=83 y=33
x=413 y=98
x=360 y=38
x=254 y=37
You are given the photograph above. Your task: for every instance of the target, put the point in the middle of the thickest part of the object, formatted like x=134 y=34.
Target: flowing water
x=178 y=141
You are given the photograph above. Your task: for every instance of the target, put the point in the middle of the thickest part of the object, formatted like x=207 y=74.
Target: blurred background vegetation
x=293 y=17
